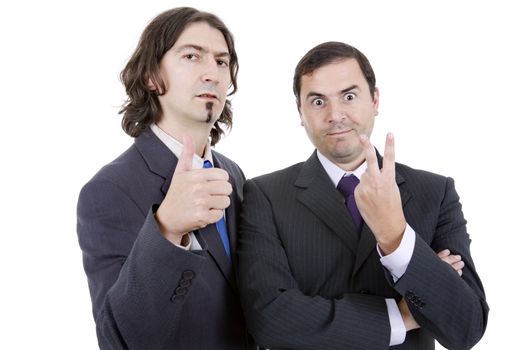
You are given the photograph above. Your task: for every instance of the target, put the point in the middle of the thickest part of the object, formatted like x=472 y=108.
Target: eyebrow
x=350 y=88
x=201 y=49
x=318 y=94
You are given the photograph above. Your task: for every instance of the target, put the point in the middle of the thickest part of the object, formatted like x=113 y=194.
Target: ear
x=376 y=102
x=297 y=103
x=151 y=86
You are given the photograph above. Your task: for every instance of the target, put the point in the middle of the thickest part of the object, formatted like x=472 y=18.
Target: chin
x=343 y=152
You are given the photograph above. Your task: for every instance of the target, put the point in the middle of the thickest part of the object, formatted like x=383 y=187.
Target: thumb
x=185 y=162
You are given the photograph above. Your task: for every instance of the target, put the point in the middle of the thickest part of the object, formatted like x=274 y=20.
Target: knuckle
x=199 y=202
x=197 y=188
x=214 y=215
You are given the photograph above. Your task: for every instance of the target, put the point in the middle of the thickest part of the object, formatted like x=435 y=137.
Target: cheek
x=225 y=79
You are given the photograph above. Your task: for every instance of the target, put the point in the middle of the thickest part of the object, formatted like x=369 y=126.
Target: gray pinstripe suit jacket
x=308 y=280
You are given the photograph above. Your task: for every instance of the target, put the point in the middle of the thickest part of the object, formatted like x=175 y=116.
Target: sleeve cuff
x=188 y=240
x=397 y=327
x=397 y=262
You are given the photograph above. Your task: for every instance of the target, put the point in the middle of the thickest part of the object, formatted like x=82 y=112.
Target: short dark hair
x=142 y=106
x=330 y=52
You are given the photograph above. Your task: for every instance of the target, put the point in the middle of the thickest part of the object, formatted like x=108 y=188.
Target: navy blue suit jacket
x=146 y=292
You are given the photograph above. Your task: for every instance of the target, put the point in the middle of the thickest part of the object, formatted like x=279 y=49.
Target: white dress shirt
x=396 y=262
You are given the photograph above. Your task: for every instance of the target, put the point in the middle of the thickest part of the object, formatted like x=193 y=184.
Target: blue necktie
x=221 y=224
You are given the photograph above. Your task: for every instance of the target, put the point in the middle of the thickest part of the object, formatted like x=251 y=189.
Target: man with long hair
x=157 y=226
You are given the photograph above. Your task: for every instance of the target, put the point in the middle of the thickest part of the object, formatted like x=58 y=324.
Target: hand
x=452 y=260
x=408 y=319
x=378 y=198
x=195 y=199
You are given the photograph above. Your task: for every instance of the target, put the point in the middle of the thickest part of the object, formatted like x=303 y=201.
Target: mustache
x=208 y=89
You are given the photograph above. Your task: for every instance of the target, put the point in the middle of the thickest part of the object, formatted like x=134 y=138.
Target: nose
x=210 y=72
x=336 y=114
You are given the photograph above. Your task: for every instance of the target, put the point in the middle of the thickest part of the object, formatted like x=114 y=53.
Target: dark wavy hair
x=142 y=106
x=330 y=52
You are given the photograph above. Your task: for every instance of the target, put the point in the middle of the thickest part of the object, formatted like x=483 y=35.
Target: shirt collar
x=176 y=147
x=336 y=173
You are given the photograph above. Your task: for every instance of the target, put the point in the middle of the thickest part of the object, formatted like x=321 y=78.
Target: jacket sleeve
x=137 y=279
x=278 y=313
x=452 y=308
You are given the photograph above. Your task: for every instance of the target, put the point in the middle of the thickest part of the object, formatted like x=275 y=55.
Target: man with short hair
x=157 y=228
x=339 y=252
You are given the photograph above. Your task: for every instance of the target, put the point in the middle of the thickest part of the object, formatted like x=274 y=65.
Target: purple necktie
x=347 y=185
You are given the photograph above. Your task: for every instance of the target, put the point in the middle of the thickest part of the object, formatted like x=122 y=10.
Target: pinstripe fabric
x=308 y=281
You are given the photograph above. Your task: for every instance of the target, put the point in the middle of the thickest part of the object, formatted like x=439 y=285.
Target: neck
x=199 y=132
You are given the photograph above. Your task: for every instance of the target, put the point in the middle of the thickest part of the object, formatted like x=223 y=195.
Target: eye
x=318 y=102
x=191 y=56
x=222 y=63
x=349 y=96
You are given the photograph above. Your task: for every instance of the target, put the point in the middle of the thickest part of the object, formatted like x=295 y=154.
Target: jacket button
x=176 y=298
x=188 y=274
x=181 y=290
x=185 y=283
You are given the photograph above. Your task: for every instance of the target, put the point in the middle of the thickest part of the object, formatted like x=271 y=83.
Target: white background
x=450 y=74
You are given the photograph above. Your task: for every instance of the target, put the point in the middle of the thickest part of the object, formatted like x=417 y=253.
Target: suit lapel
x=367 y=243
x=213 y=244
x=232 y=212
x=325 y=201
x=162 y=161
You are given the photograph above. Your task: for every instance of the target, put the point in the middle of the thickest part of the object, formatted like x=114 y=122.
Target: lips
x=207 y=95
x=339 y=133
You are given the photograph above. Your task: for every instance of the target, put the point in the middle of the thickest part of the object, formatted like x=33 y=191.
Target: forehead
x=203 y=35
x=334 y=77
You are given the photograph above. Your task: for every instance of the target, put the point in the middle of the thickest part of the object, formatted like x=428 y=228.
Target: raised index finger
x=370 y=155
x=389 y=159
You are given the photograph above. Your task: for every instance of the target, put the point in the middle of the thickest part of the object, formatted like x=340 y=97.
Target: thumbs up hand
x=195 y=198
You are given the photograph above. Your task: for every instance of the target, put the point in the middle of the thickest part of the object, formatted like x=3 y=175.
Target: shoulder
x=422 y=181
x=124 y=176
x=121 y=168
x=278 y=180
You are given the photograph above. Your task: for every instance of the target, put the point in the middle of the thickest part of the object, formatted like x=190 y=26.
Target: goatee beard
x=209 y=106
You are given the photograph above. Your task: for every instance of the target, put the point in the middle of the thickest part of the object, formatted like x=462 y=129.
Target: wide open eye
x=349 y=96
x=318 y=102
